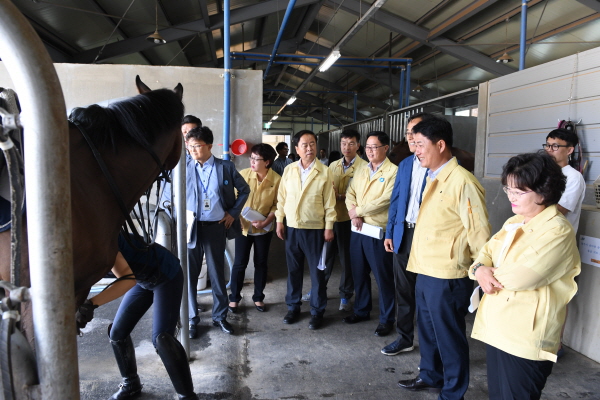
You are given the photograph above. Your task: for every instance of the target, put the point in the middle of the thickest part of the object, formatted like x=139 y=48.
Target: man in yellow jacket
x=451 y=228
x=368 y=202
x=306 y=199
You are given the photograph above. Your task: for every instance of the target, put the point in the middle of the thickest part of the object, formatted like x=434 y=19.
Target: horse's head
x=400 y=151
x=173 y=156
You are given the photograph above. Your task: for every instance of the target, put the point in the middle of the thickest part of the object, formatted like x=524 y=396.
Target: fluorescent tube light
x=332 y=58
x=275 y=117
x=291 y=100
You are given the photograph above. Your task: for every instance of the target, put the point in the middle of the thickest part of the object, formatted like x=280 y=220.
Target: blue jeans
x=166 y=297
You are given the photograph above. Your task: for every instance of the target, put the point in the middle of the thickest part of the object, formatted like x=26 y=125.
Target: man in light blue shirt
x=210 y=197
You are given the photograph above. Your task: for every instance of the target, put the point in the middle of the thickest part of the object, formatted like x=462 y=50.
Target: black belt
x=409 y=225
x=207 y=223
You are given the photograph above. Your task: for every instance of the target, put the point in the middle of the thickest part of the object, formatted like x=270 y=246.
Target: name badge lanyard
x=205 y=199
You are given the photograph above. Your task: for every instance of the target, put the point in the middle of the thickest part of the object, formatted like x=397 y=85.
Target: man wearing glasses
x=368 y=201
x=213 y=209
x=451 y=228
x=560 y=145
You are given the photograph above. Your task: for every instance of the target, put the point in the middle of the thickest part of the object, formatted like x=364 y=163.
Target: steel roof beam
x=182 y=31
x=209 y=35
x=396 y=24
x=593 y=4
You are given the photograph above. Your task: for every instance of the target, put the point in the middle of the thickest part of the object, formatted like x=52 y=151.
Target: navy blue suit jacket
x=399 y=202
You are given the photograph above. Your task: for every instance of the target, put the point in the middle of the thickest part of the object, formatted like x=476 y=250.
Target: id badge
x=206 y=205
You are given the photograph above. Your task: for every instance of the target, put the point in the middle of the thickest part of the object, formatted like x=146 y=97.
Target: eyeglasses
x=554 y=146
x=514 y=193
x=195 y=147
x=256 y=159
x=374 y=147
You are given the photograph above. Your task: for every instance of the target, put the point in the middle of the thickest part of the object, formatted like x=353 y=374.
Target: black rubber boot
x=175 y=360
x=130 y=387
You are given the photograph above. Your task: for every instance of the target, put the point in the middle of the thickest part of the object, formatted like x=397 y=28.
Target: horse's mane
x=140 y=119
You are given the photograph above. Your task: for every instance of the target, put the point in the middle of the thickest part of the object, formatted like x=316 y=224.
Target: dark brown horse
x=125 y=133
x=400 y=151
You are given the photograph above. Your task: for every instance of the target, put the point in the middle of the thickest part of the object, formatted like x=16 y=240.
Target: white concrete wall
x=516 y=112
x=85 y=84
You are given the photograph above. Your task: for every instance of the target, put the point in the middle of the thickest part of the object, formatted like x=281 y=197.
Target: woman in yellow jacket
x=264 y=184
x=527 y=273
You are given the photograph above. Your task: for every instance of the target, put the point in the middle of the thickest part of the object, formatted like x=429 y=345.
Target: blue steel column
x=523 y=35
x=288 y=12
x=227 y=82
x=408 y=84
x=401 y=91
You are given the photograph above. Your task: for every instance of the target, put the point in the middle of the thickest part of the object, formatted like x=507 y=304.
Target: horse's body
x=96 y=216
x=400 y=151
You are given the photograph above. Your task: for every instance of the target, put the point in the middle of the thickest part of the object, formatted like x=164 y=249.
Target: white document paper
x=321 y=264
x=370 y=230
x=589 y=250
x=252 y=215
x=190 y=217
x=474 y=300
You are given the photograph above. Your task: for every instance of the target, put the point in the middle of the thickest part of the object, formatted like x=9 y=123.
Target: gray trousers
x=210 y=242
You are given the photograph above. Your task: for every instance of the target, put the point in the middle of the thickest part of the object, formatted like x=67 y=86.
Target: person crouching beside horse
x=159 y=281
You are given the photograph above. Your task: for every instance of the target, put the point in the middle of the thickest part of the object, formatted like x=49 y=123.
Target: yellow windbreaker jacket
x=372 y=195
x=538 y=270
x=452 y=225
x=263 y=197
x=341 y=180
x=311 y=206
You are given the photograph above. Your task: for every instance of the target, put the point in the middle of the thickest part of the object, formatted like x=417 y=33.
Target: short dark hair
x=435 y=129
x=422 y=115
x=190 y=119
x=265 y=151
x=350 y=133
x=297 y=136
x=281 y=145
x=383 y=137
x=538 y=172
x=200 y=133
x=564 y=134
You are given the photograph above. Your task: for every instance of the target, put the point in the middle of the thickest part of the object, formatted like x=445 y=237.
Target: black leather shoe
x=383 y=329
x=354 y=318
x=234 y=310
x=262 y=308
x=291 y=317
x=193 y=331
x=316 y=321
x=417 y=384
x=225 y=326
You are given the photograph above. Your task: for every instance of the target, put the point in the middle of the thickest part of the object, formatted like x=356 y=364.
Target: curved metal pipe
x=286 y=17
x=49 y=202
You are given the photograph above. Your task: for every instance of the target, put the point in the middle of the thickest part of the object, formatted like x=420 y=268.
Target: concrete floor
x=266 y=359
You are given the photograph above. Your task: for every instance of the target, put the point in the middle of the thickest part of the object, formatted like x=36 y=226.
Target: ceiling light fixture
x=505 y=58
x=275 y=117
x=329 y=61
x=291 y=101
x=155 y=37
x=418 y=88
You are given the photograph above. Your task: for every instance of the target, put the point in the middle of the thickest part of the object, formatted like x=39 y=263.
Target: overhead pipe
x=407 y=88
x=286 y=17
x=227 y=82
x=355 y=104
x=401 y=90
x=316 y=64
x=370 y=59
x=48 y=187
x=523 y=35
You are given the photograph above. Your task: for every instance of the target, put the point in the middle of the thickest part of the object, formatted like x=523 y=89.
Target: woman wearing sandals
x=264 y=184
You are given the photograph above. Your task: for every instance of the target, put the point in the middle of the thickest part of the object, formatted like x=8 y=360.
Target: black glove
x=85 y=314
